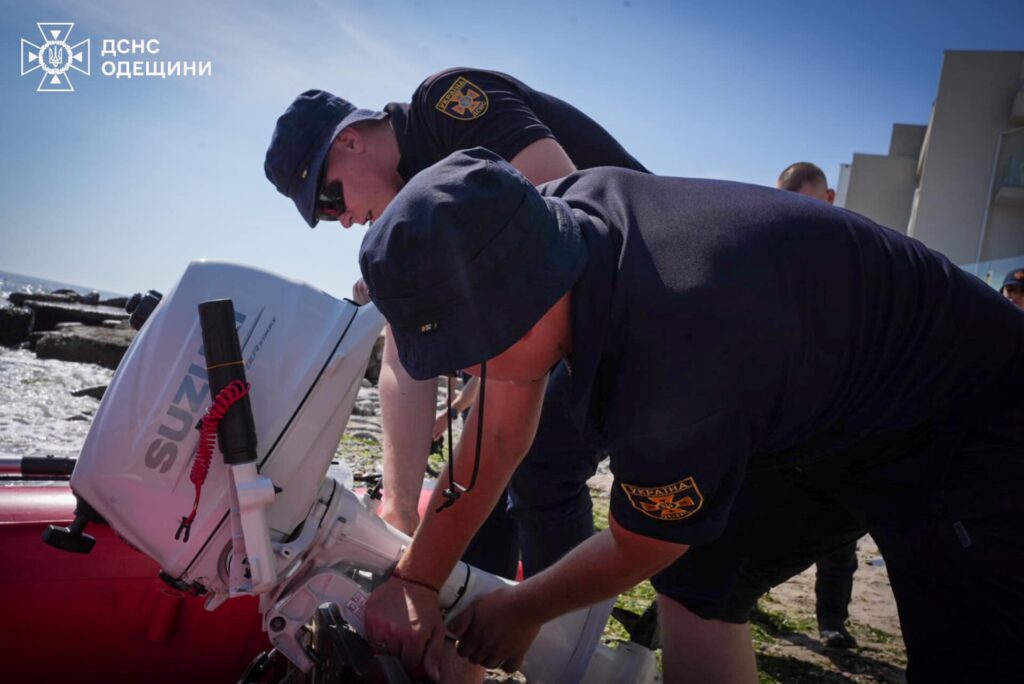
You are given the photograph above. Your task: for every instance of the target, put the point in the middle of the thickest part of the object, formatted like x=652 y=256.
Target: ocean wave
x=38 y=415
x=15 y=282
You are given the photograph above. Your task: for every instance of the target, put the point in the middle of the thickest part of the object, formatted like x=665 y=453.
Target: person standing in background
x=833 y=584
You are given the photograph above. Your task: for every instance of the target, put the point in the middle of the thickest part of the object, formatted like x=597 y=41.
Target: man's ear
x=831 y=195
x=351 y=140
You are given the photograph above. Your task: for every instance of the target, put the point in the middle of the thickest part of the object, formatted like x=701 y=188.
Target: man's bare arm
x=407 y=418
x=511 y=414
x=405 y=616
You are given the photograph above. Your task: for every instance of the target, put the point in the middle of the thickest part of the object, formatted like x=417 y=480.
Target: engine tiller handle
x=236 y=434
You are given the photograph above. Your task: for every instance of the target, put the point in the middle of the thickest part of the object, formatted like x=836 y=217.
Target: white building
x=956 y=184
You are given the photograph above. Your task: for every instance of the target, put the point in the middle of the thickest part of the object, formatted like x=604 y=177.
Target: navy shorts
x=945 y=504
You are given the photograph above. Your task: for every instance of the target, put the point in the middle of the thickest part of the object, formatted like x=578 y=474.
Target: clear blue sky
x=121 y=183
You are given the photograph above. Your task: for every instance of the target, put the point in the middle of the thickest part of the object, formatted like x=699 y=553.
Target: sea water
x=38 y=414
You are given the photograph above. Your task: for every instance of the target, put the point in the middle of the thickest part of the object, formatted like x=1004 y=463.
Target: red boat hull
x=105 y=616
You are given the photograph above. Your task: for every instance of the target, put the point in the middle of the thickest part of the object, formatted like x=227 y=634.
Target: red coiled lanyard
x=231 y=393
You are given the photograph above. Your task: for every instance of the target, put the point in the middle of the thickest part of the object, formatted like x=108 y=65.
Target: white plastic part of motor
x=305 y=354
x=627 y=663
x=355 y=549
x=254 y=495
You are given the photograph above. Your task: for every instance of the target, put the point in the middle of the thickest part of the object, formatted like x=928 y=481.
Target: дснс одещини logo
x=55 y=57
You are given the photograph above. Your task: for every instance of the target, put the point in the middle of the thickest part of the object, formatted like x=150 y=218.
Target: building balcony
x=1011 y=189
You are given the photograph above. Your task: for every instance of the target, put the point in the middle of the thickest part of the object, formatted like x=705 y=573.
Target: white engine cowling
x=305 y=353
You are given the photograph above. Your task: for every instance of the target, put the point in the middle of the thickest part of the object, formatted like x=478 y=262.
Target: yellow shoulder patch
x=463 y=101
x=676 y=501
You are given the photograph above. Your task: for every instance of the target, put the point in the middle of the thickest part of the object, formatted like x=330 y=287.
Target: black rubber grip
x=57 y=467
x=236 y=435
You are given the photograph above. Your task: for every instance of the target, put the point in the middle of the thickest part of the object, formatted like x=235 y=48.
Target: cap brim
x=470 y=330
x=305 y=201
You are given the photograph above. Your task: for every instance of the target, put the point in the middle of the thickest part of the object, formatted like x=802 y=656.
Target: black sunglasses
x=330 y=202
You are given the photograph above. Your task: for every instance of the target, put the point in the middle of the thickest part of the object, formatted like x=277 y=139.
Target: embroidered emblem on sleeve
x=463 y=101
x=669 y=502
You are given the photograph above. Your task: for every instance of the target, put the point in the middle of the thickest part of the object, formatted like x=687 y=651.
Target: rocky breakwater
x=68 y=326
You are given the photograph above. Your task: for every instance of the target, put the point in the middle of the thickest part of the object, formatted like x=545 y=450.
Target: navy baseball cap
x=1014 y=277
x=466 y=259
x=302 y=137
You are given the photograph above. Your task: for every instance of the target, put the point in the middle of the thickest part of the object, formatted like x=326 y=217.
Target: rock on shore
x=15 y=325
x=48 y=315
x=68 y=326
x=103 y=346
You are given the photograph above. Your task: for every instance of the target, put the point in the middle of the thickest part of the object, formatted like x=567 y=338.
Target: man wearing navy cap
x=874 y=385
x=1013 y=287
x=338 y=162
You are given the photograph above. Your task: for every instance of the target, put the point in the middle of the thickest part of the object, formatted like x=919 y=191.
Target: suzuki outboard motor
x=305 y=353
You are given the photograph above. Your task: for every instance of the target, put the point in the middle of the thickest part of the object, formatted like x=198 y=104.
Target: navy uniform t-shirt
x=462 y=108
x=719 y=325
